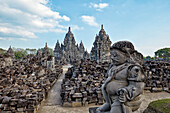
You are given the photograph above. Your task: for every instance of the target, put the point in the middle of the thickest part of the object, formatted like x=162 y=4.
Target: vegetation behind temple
x=163 y=53
x=19 y=52
x=2 y=51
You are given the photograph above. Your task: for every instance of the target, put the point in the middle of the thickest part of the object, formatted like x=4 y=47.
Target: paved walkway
x=54 y=98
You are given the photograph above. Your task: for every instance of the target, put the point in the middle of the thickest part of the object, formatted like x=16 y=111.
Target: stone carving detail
x=124 y=85
x=101 y=47
x=69 y=51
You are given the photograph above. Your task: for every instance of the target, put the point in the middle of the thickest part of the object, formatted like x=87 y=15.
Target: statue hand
x=122 y=95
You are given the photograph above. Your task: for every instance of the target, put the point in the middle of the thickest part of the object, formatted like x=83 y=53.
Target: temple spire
x=69 y=29
x=102 y=26
x=57 y=41
x=46 y=44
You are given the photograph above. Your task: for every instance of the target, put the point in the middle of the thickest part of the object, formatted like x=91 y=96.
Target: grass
x=162 y=106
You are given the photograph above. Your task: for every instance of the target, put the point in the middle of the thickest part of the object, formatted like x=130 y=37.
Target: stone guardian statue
x=124 y=85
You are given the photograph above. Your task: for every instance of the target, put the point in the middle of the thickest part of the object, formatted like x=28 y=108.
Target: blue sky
x=31 y=23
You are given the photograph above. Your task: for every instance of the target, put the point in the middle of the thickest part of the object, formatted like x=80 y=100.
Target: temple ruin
x=101 y=47
x=69 y=51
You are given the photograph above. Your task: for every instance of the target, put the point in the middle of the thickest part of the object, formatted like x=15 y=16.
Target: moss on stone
x=159 y=106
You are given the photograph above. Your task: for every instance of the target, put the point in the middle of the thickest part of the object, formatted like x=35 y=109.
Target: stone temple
x=101 y=47
x=10 y=53
x=69 y=51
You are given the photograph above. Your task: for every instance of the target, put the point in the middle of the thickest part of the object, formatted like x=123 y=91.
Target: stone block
x=67 y=104
x=76 y=104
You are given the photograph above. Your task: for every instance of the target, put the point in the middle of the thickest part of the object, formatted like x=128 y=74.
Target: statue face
x=117 y=57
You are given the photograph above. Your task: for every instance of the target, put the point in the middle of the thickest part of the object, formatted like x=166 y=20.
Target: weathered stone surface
x=76 y=104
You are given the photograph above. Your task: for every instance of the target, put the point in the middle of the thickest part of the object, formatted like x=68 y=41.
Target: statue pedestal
x=93 y=110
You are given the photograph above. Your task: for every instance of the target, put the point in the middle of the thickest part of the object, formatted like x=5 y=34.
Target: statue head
x=124 y=46
x=121 y=52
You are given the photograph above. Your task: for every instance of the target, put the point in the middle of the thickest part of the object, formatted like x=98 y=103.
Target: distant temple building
x=8 y=57
x=45 y=52
x=101 y=47
x=10 y=52
x=47 y=60
x=69 y=51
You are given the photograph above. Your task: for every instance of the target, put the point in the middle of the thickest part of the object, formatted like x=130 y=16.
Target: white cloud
x=12 y=38
x=75 y=27
x=99 y=6
x=25 y=18
x=2 y=38
x=16 y=32
x=90 y=20
x=23 y=39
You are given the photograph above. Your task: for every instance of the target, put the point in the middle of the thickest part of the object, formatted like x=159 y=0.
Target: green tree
x=19 y=53
x=2 y=51
x=163 y=53
x=31 y=51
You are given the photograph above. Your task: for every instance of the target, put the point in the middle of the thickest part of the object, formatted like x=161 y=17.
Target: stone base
x=93 y=110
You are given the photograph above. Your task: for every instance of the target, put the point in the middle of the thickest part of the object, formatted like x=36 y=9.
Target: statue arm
x=136 y=84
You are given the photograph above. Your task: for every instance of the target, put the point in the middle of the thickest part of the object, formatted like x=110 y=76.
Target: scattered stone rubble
x=82 y=84
x=25 y=84
x=158 y=76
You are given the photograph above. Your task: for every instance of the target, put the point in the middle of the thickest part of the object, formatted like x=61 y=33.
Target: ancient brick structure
x=101 y=47
x=47 y=60
x=69 y=51
x=10 y=52
x=46 y=52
